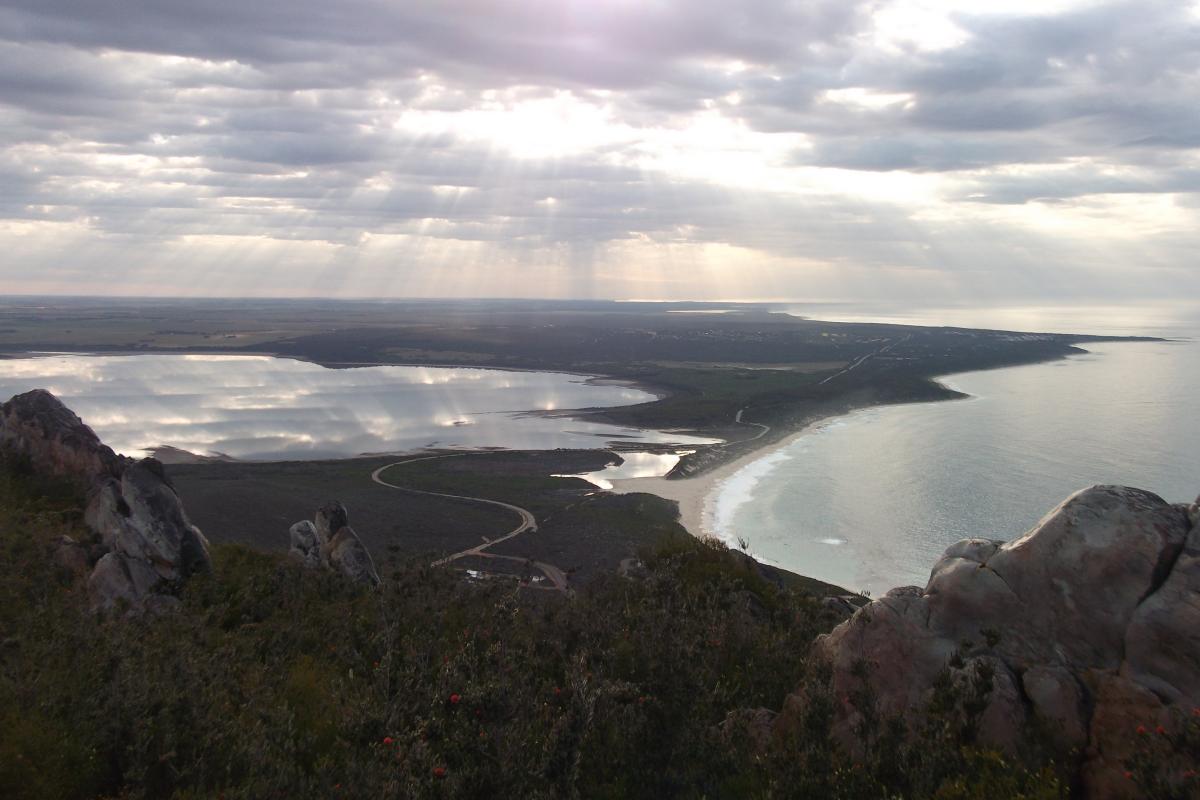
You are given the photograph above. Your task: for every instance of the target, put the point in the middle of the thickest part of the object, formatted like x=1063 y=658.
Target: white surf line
x=528 y=523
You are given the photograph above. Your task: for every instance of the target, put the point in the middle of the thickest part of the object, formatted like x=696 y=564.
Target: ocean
x=871 y=499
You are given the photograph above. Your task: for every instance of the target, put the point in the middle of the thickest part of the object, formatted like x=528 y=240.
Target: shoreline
x=696 y=494
x=693 y=493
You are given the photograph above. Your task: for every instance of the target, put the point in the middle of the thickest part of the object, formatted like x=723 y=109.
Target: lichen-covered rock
x=1057 y=699
x=1162 y=641
x=140 y=515
x=1094 y=614
x=37 y=426
x=118 y=577
x=330 y=542
x=305 y=546
x=330 y=519
x=348 y=555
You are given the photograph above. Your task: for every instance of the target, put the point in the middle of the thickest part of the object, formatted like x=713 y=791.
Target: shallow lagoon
x=263 y=408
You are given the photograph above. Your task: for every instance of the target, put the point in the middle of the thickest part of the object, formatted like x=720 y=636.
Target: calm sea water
x=870 y=500
x=273 y=408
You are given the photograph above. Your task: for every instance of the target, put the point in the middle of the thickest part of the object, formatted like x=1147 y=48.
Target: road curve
x=762 y=429
x=864 y=359
x=528 y=523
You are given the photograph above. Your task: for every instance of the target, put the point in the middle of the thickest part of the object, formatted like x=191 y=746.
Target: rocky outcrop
x=305 y=547
x=329 y=542
x=140 y=516
x=1090 y=623
x=146 y=544
x=38 y=427
x=121 y=581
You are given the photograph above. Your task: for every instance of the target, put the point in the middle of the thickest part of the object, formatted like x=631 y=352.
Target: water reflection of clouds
x=263 y=407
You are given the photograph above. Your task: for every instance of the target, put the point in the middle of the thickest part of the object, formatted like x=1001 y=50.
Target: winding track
x=864 y=359
x=762 y=429
x=556 y=576
x=528 y=523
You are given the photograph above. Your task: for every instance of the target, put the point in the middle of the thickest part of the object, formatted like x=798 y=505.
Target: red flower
x=1196 y=712
x=387 y=740
x=439 y=772
x=1160 y=730
x=1141 y=729
x=557 y=691
x=455 y=698
x=1129 y=775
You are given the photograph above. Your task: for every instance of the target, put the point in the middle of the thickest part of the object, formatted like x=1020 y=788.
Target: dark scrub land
x=582 y=531
x=275 y=681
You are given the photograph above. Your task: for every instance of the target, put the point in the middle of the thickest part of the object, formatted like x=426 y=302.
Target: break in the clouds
x=836 y=149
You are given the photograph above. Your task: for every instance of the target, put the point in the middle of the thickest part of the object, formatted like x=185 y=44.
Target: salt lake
x=266 y=408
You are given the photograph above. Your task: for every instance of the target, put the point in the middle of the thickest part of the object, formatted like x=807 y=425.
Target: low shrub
x=273 y=681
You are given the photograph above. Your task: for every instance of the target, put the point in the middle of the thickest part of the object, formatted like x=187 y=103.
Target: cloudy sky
x=913 y=150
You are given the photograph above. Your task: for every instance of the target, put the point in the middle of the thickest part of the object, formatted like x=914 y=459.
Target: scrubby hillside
x=1063 y=662
x=274 y=681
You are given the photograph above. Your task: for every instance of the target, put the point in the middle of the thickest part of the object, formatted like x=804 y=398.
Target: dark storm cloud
x=611 y=45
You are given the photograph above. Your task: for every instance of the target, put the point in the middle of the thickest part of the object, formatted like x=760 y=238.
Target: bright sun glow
x=548 y=127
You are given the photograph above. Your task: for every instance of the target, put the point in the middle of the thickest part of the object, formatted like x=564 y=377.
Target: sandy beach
x=696 y=495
